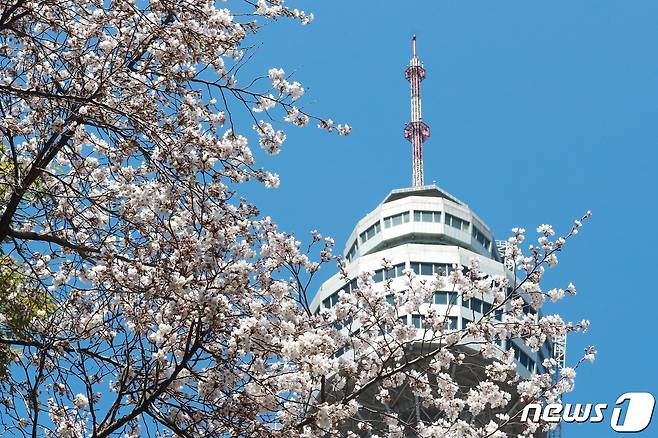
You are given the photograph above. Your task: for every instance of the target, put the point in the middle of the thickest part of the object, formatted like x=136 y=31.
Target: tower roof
x=431 y=190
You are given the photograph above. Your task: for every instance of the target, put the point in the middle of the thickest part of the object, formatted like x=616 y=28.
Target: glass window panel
x=403 y=319
x=486 y=307
x=452 y=297
x=466 y=303
x=426 y=269
x=453 y=323
x=415 y=266
x=440 y=298
x=456 y=222
x=441 y=268
x=415 y=320
x=352 y=252
x=417 y=215
x=379 y=276
x=389 y=299
x=465 y=322
x=524 y=360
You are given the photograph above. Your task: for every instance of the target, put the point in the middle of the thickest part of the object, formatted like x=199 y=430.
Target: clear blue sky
x=539 y=111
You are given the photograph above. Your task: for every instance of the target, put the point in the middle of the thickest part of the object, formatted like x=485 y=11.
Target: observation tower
x=426 y=229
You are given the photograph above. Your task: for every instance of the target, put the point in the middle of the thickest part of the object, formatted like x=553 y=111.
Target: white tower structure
x=426 y=229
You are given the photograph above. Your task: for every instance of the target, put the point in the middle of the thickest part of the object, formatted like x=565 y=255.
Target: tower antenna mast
x=416 y=131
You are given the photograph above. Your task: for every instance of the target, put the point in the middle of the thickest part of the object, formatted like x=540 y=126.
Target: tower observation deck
x=426 y=229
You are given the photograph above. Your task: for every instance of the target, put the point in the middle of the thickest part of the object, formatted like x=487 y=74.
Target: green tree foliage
x=20 y=301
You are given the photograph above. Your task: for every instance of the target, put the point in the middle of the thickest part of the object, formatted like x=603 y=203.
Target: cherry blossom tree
x=166 y=304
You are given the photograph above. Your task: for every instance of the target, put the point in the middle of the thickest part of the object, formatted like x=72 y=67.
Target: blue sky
x=539 y=111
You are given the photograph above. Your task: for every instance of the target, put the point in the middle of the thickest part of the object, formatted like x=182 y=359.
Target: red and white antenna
x=416 y=131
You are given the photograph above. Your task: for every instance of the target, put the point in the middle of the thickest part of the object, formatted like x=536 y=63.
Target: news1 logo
x=637 y=416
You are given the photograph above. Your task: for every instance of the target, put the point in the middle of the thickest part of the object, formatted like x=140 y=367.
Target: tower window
x=351 y=254
x=395 y=271
x=445 y=297
x=421 y=268
x=427 y=216
x=525 y=360
x=370 y=232
x=456 y=222
x=396 y=219
x=480 y=237
x=474 y=304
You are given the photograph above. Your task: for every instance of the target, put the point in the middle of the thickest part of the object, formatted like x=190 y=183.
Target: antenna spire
x=416 y=131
